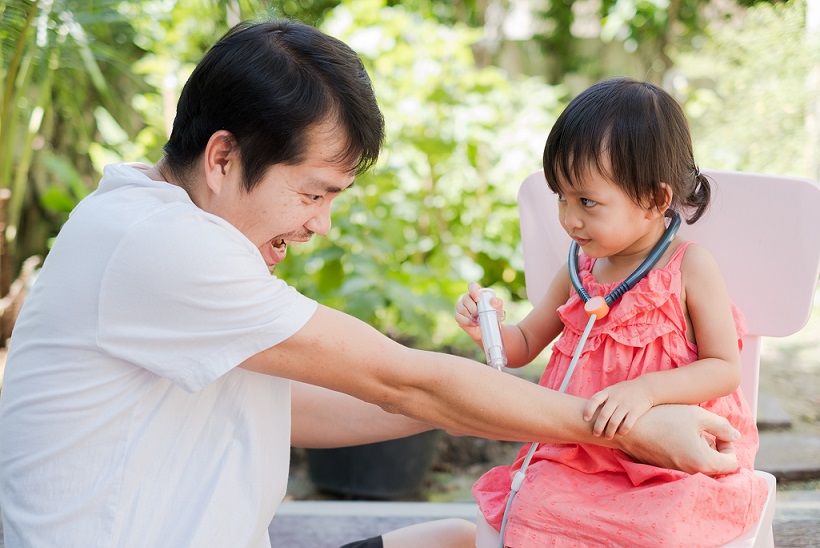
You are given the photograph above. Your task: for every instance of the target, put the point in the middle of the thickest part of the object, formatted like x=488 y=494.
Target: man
x=148 y=393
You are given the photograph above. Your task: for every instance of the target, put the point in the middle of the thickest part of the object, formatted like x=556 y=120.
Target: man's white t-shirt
x=124 y=420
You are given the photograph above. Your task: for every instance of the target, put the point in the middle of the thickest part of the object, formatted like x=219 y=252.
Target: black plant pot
x=392 y=469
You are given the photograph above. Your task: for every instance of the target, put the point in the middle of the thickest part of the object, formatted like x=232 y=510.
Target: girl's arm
x=715 y=373
x=543 y=324
x=525 y=340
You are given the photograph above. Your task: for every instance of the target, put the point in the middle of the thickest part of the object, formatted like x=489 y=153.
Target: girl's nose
x=571 y=218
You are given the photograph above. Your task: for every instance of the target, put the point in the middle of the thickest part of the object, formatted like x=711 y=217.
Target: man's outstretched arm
x=338 y=352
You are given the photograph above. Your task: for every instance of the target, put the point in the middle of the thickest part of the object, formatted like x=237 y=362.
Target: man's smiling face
x=291 y=202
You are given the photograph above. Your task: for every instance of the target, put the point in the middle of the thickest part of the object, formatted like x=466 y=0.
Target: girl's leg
x=443 y=533
x=485 y=535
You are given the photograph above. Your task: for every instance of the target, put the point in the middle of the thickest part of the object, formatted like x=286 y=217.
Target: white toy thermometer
x=490 y=326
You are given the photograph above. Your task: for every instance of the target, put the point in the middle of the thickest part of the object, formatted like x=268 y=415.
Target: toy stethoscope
x=595 y=307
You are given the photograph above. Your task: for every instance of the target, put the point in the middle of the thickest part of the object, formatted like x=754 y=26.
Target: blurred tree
x=748 y=92
x=65 y=74
x=465 y=12
x=593 y=38
x=89 y=82
x=439 y=209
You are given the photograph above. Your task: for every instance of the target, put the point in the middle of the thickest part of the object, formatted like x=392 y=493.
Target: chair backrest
x=764 y=231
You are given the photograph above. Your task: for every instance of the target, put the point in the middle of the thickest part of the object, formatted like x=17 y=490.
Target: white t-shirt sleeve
x=188 y=297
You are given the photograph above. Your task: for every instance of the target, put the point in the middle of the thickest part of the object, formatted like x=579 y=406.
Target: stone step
x=329 y=524
x=786 y=454
x=771 y=415
x=789 y=456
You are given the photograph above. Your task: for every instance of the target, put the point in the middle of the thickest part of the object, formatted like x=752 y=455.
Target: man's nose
x=320 y=223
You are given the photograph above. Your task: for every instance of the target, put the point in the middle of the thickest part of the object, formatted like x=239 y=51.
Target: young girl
x=620 y=160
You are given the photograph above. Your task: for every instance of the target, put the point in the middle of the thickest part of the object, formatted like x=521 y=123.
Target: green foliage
x=557 y=43
x=439 y=209
x=61 y=62
x=748 y=93
x=468 y=12
x=87 y=83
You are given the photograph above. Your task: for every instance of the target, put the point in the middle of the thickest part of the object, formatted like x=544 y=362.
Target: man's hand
x=676 y=436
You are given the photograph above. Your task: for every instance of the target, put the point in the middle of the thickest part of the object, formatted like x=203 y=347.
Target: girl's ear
x=663 y=198
x=658 y=206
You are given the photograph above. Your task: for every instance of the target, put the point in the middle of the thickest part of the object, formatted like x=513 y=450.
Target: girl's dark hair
x=269 y=84
x=643 y=133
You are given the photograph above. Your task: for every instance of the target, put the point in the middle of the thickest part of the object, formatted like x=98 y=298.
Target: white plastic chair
x=764 y=231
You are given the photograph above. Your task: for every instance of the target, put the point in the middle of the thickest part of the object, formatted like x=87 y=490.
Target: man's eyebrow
x=337 y=189
x=329 y=187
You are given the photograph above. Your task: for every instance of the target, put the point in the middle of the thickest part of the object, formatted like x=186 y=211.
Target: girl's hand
x=467 y=311
x=618 y=408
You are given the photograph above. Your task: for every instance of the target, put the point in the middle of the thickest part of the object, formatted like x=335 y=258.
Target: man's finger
x=720 y=428
x=722 y=457
x=725 y=447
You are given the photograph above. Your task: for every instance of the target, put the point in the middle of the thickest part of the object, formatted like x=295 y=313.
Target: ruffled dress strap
x=677 y=256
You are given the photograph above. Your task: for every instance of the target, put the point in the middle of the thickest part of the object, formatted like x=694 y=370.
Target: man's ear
x=220 y=159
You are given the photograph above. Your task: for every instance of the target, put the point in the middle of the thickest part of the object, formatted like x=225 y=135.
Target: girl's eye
x=586 y=202
x=561 y=198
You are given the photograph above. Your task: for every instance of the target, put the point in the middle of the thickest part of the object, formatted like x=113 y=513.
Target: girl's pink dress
x=581 y=495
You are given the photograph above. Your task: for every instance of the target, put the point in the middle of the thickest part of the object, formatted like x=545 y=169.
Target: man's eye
x=586 y=202
x=314 y=197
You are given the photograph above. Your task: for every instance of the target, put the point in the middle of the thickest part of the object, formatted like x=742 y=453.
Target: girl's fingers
x=593 y=404
x=615 y=421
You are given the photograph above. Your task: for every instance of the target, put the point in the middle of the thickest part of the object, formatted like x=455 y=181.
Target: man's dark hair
x=269 y=84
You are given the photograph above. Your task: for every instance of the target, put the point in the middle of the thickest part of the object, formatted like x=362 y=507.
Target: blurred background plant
x=66 y=78
x=469 y=90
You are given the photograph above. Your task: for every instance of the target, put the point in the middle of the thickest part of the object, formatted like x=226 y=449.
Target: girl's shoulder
x=699 y=268
x=695 y=257
x=687 y=255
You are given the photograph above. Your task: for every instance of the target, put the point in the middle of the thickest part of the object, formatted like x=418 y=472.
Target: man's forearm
x=338 y=352
x=324 y=418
